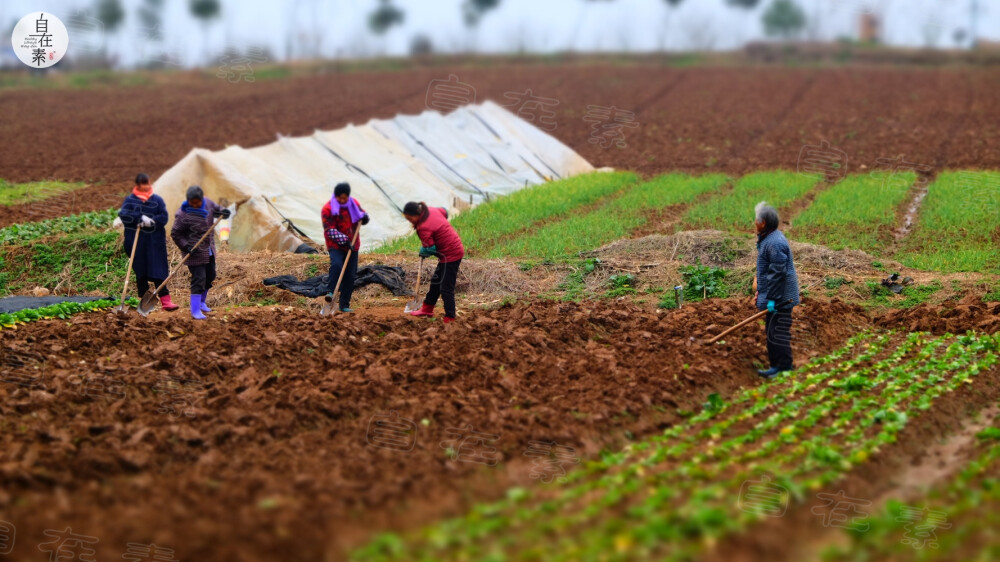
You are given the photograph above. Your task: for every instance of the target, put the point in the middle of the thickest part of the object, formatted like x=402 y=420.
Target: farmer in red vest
x=437 y=238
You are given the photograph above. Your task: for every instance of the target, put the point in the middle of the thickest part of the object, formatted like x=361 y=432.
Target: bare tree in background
x=473 y=12
x=665 y=32
x=112 y=15
x=385 y=16
x=739 y=31
x=700 y=34
x=149 y=16
x=784 y=19
x=206 y=11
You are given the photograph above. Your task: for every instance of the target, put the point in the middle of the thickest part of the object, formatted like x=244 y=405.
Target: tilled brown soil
x=692 y=119
x=263 y=437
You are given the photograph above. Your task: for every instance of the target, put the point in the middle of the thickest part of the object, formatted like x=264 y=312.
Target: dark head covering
x=343 y=188
x=195 y=192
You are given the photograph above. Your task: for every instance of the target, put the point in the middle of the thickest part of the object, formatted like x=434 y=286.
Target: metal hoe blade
x=415 y=304
x=148 y=303
x=122 y=308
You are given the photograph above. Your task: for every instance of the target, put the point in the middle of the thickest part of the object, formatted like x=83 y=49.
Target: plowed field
x=733 y=120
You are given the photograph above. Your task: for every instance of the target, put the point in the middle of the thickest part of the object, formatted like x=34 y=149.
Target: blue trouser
x=347 y=285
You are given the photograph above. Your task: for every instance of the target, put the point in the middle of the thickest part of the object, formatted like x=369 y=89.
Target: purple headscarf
x=352 y=208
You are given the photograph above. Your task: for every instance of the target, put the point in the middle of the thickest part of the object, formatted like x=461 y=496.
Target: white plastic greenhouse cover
x=479 y=151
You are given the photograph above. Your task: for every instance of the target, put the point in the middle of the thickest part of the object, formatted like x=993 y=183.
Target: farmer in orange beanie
x=145 y=213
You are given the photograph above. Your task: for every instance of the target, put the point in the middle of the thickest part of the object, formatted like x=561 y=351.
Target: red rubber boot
x=425 y=310
x=168 y=304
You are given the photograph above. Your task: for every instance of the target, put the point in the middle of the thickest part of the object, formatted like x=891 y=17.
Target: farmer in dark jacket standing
x=777 y=289
x=341 y=217
x=193 y=219
x=145 y=213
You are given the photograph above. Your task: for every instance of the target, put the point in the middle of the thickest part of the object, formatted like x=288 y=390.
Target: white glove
x=118 y=223
x=147 y=222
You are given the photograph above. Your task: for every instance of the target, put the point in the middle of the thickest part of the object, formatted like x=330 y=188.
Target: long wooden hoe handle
x=347 y=260
x=184 y=260
x=740 y=325
x=135 y=244
x=743 y=323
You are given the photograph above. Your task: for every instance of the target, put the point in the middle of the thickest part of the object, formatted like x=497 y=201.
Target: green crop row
x=735 y=210
x=666 y=497
x=957 y=225
x=82 y=262
x=62 y=225
x=612 y=220
x=60 y=310
x=483 y=226
x=857 y=213
x=966 y=511
x=18 y=193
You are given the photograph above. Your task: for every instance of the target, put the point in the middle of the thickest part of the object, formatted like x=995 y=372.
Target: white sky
x=539 y=25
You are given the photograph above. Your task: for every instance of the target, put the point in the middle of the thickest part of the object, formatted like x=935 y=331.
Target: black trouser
x=143 y=283
x=443 y=285
x=779 y=338
x=347 y=285
x=202 y=276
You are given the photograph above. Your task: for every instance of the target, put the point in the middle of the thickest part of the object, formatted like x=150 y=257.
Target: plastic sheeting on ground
x=14 y=304
x=392 y=278
x=476 y=152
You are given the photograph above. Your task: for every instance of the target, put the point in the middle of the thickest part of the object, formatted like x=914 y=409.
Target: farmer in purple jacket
x=194 y=219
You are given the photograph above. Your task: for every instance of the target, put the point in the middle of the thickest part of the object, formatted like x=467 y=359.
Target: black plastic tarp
x=392 y=278
x=13 y=304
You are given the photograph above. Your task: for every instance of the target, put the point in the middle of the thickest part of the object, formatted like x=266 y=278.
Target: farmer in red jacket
x=341 y=216
x=437 y=238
